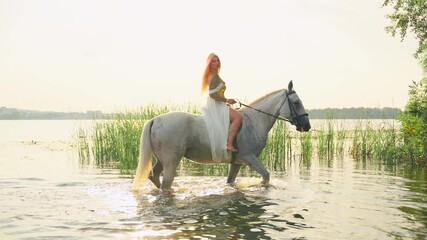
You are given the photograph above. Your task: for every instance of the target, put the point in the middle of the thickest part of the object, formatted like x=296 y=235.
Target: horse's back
x=174 y=120
x=181 y=132
x=177 y=125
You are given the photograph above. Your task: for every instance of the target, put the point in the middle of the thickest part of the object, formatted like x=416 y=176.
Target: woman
x=222 y=121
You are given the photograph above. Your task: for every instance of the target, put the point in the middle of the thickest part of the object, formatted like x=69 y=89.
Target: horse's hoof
x=265 y=183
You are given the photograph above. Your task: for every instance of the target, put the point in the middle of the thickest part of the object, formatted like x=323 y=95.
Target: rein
x=292 y=109
x=261 y=111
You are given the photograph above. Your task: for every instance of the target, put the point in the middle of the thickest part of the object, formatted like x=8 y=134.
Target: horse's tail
x=145 y=154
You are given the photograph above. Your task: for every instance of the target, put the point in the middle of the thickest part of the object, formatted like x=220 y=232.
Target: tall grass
x=279 y=147
x=380 y=143
x=114 y=142
x=341 y=136
x=306 y=148
x=325 y=140
x=83 y=146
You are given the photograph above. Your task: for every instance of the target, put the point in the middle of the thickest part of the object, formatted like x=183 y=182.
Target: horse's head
x=294 y=110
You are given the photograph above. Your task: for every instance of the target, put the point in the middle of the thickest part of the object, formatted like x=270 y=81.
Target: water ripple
x=318 y=203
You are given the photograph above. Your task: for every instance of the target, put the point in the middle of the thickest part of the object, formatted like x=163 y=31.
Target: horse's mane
x=265 y=96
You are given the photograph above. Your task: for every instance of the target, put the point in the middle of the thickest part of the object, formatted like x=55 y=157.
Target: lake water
x=45 y=193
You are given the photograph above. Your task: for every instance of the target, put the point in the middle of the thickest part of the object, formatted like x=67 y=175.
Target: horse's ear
x=290 y=86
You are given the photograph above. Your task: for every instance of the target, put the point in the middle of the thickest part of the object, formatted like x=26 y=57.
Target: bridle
x=294 y=116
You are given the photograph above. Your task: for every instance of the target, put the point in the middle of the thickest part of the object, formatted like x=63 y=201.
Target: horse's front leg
x=234 y=170
x=253 y=162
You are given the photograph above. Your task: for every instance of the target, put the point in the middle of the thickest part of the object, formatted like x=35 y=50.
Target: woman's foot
x=231 y=148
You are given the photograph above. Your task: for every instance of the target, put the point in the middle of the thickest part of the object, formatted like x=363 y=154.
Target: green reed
x=202 y=169
x=306 y=148
x=278 y=148
x=341 y=135
x=364 y=140
x=325 y=141
x=379 y=144
x=114 y=142
x=83 y=146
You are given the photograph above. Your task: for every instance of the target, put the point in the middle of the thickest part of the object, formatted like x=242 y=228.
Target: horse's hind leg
x=234 y=170
x=168 y=177
x=155 y=175
x=169 y=171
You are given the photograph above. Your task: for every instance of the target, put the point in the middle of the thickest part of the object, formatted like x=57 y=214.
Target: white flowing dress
x=217 y=117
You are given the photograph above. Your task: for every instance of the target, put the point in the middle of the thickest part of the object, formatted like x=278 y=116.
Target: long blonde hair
x=205 y=79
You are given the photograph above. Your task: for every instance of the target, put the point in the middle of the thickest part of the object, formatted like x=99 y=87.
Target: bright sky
x=78 y=55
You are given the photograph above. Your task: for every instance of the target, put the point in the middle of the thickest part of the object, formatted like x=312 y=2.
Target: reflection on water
x=240 y=212
x=45 y=193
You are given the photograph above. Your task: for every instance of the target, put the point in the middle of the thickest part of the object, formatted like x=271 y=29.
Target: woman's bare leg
x=236 y=120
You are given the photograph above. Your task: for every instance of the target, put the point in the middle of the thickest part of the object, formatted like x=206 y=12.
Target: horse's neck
x=269 y=104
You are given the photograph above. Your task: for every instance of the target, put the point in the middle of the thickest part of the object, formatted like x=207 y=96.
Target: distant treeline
x=20 y=114
x=354 y=113
x=327 y=113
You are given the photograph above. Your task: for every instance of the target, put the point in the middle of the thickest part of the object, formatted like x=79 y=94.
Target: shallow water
x=46 y=194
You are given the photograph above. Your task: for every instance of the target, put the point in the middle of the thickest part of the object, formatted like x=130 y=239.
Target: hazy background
x=108 y=55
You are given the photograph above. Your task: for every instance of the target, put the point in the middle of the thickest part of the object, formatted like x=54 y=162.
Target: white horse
x=171 y=136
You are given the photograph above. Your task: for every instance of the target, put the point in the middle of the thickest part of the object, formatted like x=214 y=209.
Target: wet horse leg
x=155 y=174
x=168 y=177
x=253 y=162
x=234 y=170
x=169 y=171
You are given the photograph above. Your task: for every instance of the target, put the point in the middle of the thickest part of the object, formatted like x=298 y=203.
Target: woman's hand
x=231 y=101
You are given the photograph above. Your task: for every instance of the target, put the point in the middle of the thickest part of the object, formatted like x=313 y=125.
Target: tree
x=409 y=15
x=412 y=15
x=414 y=117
